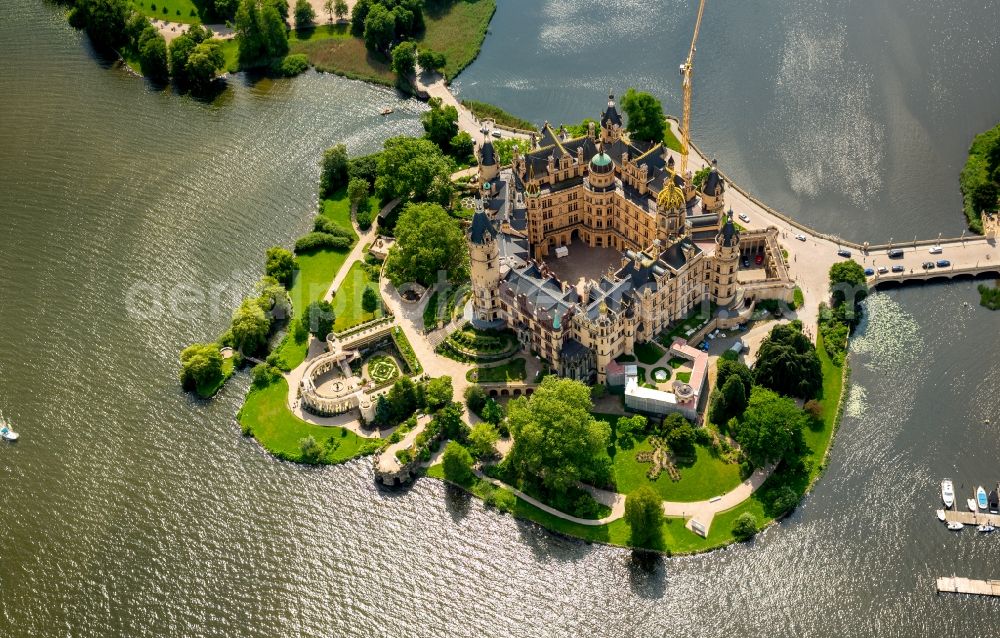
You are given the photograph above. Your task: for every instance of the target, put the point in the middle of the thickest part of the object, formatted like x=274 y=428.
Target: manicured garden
x=469 y=343
x=266 y=417
x=648 y=353
x=183 y=11
x=382 y=369
x=702 y=479
x=509 y=371
x=347 y=303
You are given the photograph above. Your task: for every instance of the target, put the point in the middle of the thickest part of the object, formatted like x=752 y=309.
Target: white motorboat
x=986 y=529
x=947 y=493
x=6 y=433
x=981 y=498
x=940 y=515
x=971 y=504
x=955 y=526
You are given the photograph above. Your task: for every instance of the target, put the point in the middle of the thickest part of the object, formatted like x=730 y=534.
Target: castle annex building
x=587 y=246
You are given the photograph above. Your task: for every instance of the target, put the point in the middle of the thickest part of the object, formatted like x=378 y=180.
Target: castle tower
x=712 y=191
x=488 y=167
x=485 y=267
x=611 y=122
x=726 y=263
x=670 y=205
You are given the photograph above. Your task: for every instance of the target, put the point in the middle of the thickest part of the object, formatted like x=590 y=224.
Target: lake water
x=130 y=221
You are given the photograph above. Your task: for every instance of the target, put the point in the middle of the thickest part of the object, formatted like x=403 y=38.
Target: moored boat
x=940 y=515
x=971 y=503
x=981 y=498
x=947 y=493
x=986 y=529
x=994 y=501
x=955 y=526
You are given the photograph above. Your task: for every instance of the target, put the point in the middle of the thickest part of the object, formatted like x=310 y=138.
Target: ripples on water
x=129 y=509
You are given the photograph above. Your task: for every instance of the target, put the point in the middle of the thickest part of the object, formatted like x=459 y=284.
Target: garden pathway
x=387 y=461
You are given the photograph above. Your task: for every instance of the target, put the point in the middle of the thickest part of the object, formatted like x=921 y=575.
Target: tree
x=358 y=16
x=431 y=60
x=728 y=401
x=383 y=412
x=333 y=170
x=462 y=146
x=225 y=9
x=771 y=428
x=644 y=516
x=787 y=363
x=482 y=438
x=340 y=9
x=380 y=29
x=273 y=299
x=260 y=32
x=250 y=327
x=201 y=366
x=369 y=301
x=629 y=428
x=475 y=398
x=357 y=191
x=681 y=440
x=493 y=412
x=557 y=442
x=403 y=399
x=104 y=20
x=727 y=368
x=645 y=116
x=457 y=463
x=440 y=123
x=439 y=392
x=848 y=282
x=152 y=49
x=428 y=240
x=414 y=168
x=784 y=500
x=744 y=527
x=310 y=449
x=404 y=58
x=329 y=9
x=318 y=319
x=305 y=15
x=280 y=263
x=180 y=48
x=203 y=63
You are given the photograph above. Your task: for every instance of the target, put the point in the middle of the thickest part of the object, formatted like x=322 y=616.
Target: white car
x=800 y=237
x=744 y=218
x=882 y=270
x=935 y=250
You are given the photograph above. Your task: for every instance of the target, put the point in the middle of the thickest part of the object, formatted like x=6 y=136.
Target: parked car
x=496 y=134
x=869 y=272
x=744 y=217
x=746 y=262
x=928 y=265
x=759 y=259
x=898 y=269
x=935 y=250
x=882 y=270
x=943 y=263
x=896 y=253
x=843 y=252
x=800 y=237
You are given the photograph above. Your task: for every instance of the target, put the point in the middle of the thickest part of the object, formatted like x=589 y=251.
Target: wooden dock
x=956 y=585
x=972 y=518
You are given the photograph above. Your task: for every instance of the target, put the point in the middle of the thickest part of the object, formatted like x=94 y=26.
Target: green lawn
x=265 y=416
x=670 y=141
x=231 y=50
x=648 y=353
x=170 y=10
x=332 y=48
x=684 y=377
x=312 y=281
x=456 y=28
x=347 y=302
x=510 y=371
x=708 y=476
x=486 y=111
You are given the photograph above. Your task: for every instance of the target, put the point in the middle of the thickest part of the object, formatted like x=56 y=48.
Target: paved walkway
x=387 y=461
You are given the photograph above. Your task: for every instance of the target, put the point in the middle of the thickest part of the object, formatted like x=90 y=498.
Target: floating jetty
x=971 y=518
x=956 y=585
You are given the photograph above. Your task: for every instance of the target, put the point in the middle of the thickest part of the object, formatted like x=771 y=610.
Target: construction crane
x=687 y=69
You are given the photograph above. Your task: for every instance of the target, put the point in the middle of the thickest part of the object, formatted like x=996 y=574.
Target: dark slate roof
x=713 y=183
x=482 y=228
x=573 y=349
x=729 y=234
x=486 y=155
x=611 y=116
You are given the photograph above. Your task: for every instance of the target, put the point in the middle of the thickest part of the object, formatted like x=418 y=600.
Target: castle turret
x=484 y=267
x=488 y=166
x=712 y=200
x=726 y=263
x=670 y=207
x=611 y=122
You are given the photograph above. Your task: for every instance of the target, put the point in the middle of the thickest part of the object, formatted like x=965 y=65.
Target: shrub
x=280 y=264
x=263 y=375
x=333 y=170
x=292 y=65
x=323 y=224
x=318 y=319
x=475 y=399
x=798 y=299
x=457 y=463
x=744 y=527
x=310 y=449
x=201 y=366
x=321 y=241
x=644 y=516
x=784 y=500
x=482 y=438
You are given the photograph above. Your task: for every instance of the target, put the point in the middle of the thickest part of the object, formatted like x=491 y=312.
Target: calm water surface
x=129 y=509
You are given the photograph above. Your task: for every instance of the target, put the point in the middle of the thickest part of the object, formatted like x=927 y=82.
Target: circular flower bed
x=382 y=369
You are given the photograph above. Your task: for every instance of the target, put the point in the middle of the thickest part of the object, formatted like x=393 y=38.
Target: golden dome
x=671 y=197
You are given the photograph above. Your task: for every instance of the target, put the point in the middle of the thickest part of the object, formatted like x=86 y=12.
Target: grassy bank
x=312 y=281
x=210 y=390
x=184 y=11
x=266 y=417
x=347 y=302
x=332 y=49
x=457 y=29
x=485 y=111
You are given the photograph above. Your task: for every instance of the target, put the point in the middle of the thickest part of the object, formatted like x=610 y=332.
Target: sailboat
x=981 y=498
